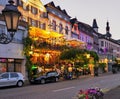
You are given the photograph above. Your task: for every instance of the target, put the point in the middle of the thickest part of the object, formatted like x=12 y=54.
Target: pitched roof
x=57 y=7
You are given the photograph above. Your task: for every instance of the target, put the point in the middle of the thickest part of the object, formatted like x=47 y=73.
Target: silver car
x=11 y=79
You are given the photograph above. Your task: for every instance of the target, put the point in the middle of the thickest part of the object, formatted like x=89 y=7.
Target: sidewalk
x=113 y=93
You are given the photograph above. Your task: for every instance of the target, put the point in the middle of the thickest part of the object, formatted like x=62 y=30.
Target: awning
x=40 y=33
x=55 y=35
x=37 y=32
x=74 y=42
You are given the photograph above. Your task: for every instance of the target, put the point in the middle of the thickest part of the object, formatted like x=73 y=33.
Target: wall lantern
x=11 y=16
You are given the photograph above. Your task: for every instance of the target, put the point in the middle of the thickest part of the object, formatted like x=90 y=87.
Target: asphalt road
x=62 y=89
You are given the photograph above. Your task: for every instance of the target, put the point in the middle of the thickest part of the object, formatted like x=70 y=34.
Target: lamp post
x=11 y=17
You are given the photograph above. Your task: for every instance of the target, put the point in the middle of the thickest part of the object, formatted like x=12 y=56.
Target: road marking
x=63 y=89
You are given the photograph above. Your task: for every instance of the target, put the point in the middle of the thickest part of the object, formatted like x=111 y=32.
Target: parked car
x=51 y=76
x=11 y=79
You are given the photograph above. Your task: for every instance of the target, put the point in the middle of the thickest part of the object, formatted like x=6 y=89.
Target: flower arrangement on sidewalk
x=92 y=93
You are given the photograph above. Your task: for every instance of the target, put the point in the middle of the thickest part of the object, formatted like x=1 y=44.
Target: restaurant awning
x=55 y=35
x=40 y=33
x=74 y=42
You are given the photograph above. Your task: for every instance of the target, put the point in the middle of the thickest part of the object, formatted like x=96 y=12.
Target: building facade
x=109 y=49
x=11 y=55
x=59 y=20
x=83 y=33
x=12 y=58
x=52 y=19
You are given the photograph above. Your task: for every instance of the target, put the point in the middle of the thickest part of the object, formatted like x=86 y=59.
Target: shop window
x=10 y=65
x=3 y=67
x=18 y=67
x=2 y=60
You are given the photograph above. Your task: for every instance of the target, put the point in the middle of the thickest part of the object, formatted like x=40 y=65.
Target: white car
x=11 y=79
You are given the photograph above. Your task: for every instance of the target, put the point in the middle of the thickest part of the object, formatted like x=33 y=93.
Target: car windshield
x=41 y=74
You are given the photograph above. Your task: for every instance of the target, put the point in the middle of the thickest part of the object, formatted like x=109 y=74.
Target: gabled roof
x=64 y=11
x=57 y=7
x=51 y=3
x=37 y=3
x=86 y=26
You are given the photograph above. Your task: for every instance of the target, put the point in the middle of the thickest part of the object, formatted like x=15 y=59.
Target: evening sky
x=87 y=10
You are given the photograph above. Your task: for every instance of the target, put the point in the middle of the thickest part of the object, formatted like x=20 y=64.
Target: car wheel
x=20 y=83
x=56 y=79
x=42 y=81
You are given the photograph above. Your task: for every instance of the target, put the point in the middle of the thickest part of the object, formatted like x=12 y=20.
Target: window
x=66 y=30
x=10 y=65
x=49 y=74
x=43 y=26
x=34 y=10
x=44 y=15
x=54 y=25
x=75 y=28
x=102 y=43
x=23 y=18
x=105 y=43
x=33 y=22
x=60 y=28
x=6 y=75
x=13 y=75
x=30 y=21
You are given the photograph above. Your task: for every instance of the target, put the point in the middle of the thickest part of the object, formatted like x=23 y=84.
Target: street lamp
x=11 y=16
